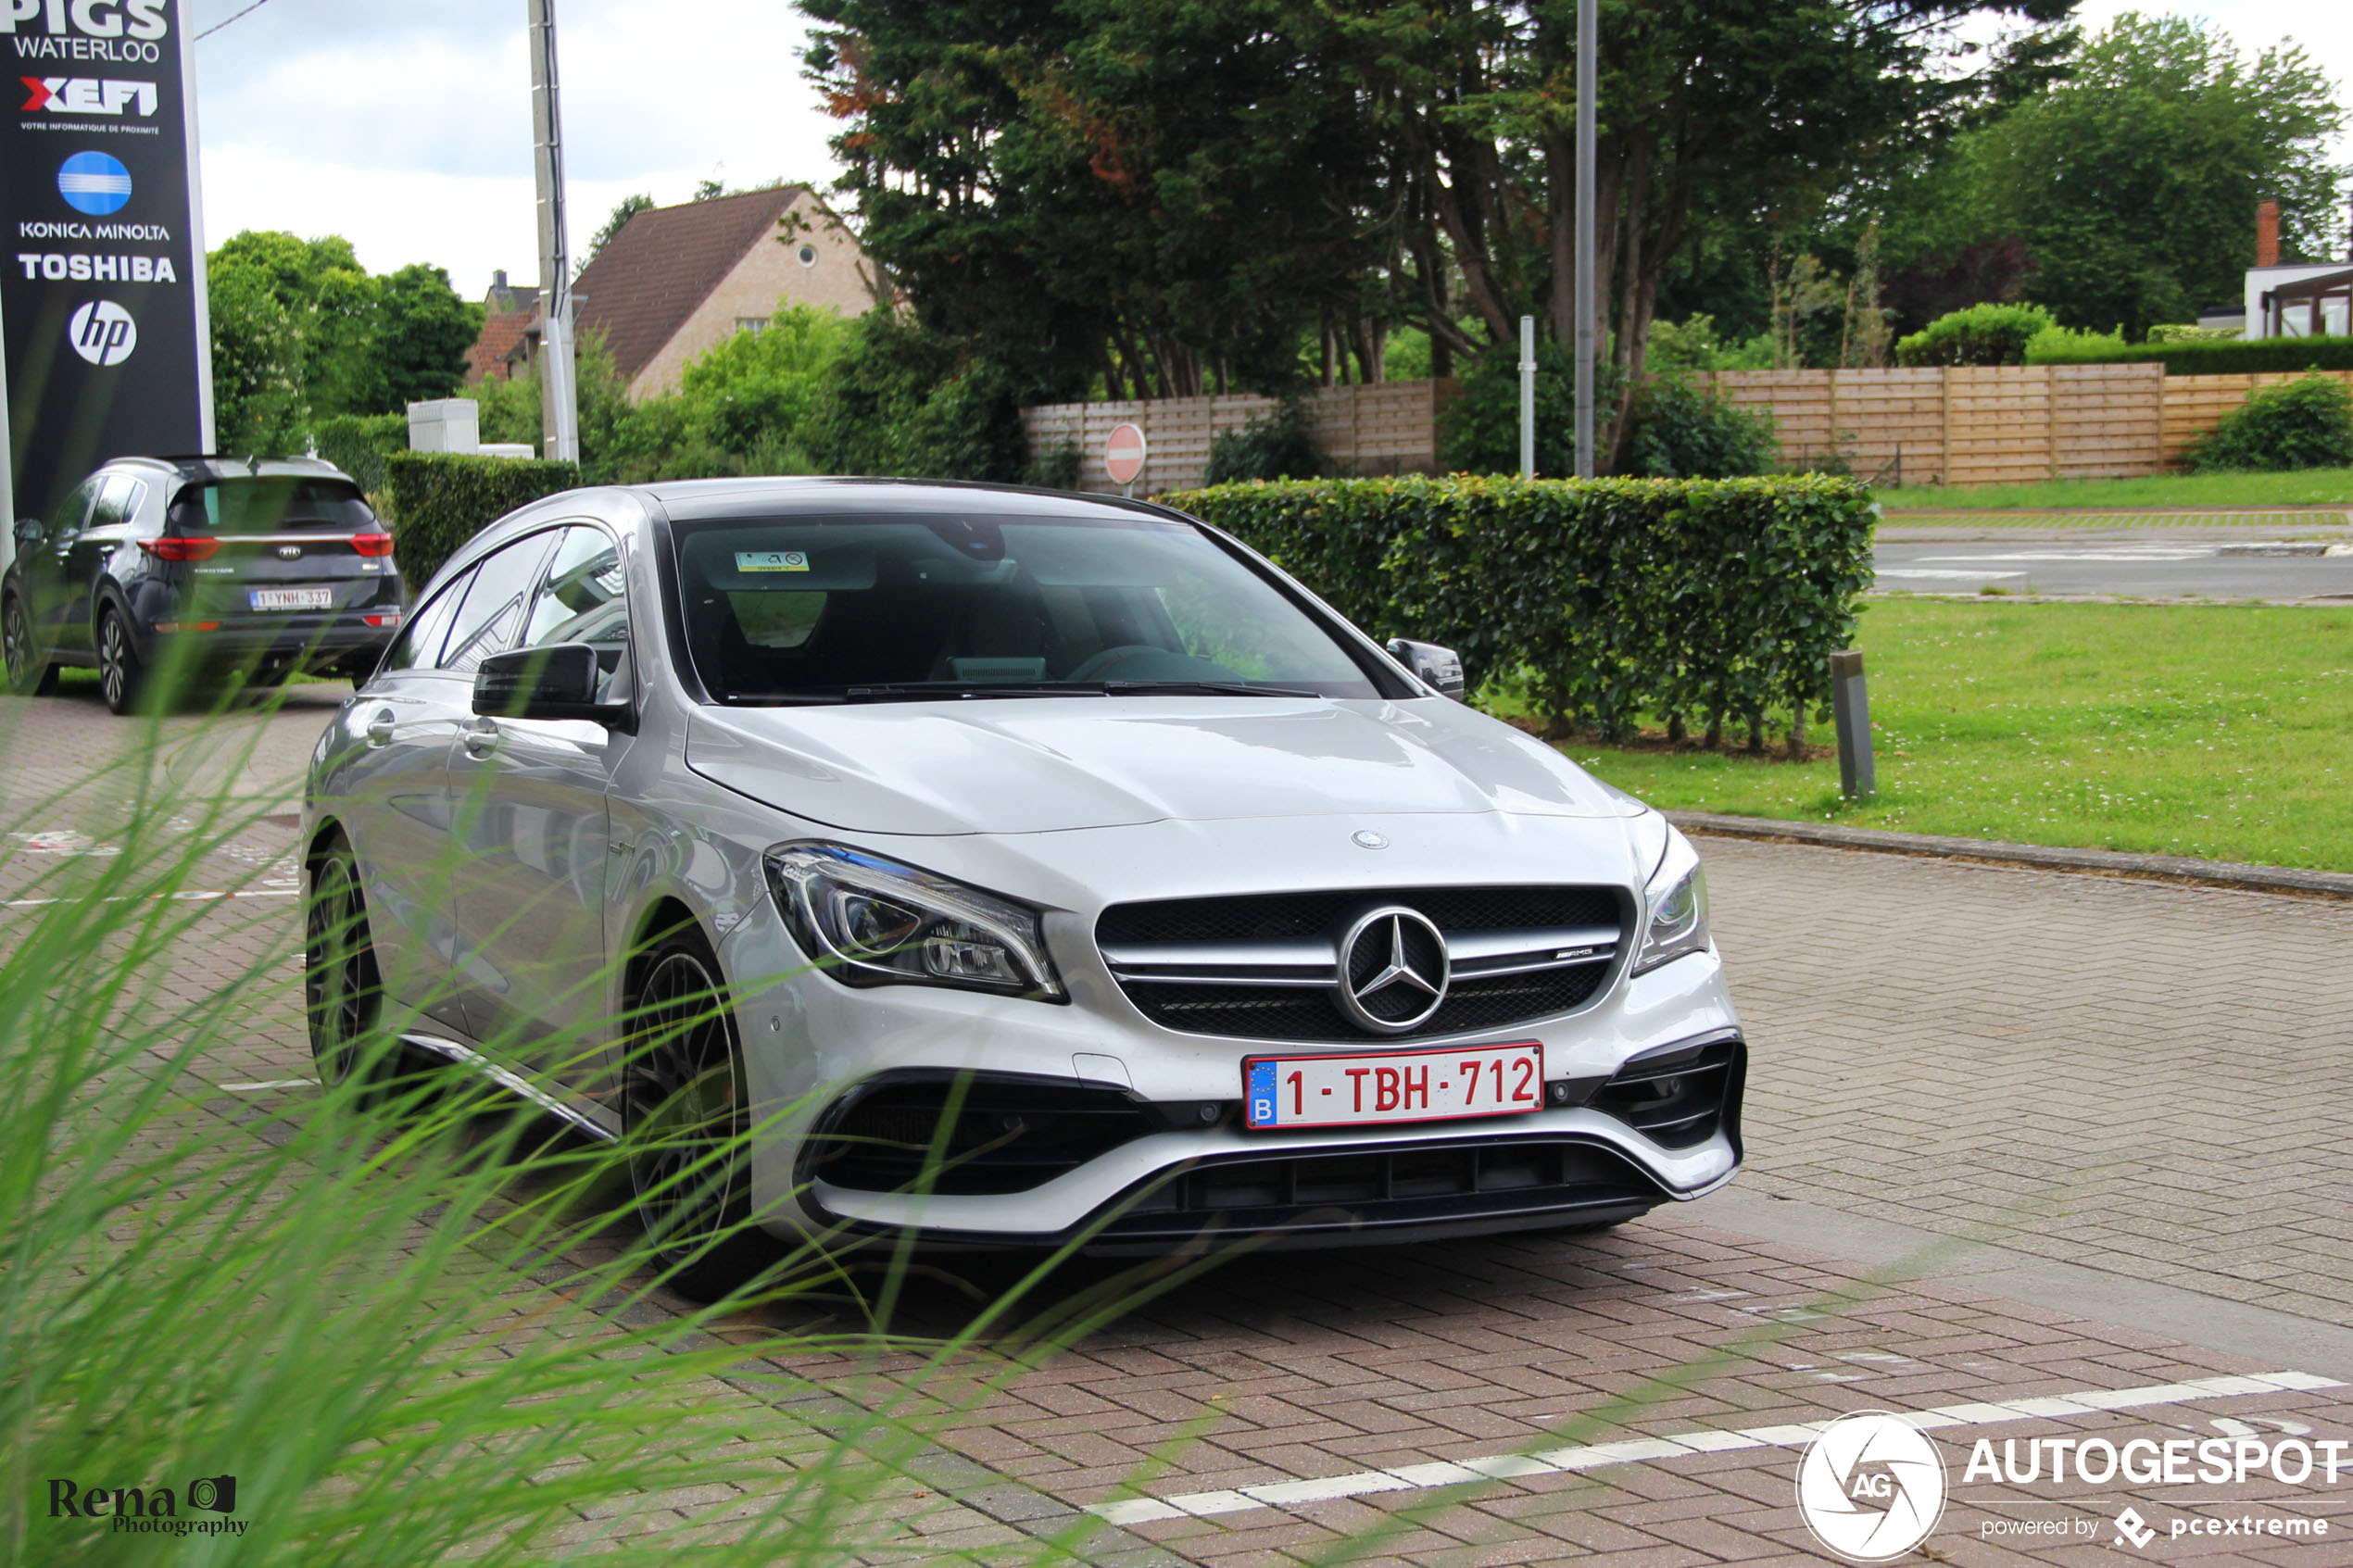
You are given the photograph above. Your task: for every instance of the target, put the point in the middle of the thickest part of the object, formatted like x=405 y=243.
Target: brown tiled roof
x=501 y=334
x=665 y=262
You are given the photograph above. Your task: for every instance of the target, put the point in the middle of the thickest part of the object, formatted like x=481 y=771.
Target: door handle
x=380 y=727
x=479 y=739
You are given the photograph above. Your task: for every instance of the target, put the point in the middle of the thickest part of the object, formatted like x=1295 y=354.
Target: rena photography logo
x=1871 y=1486
x=153 y=1510
x=103 y=333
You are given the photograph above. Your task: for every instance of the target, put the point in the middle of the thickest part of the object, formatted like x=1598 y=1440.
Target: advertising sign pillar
x=105 y=341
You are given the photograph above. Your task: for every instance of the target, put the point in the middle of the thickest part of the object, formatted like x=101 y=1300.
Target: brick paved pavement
x=2138 y=1082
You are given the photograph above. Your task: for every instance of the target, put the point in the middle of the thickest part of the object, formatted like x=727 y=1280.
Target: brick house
x=677 y=280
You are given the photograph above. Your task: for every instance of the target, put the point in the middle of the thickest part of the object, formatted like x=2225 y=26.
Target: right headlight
x=1674 y=907
x=872 y=921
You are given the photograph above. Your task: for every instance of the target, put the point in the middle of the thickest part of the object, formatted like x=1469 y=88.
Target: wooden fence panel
x=1386 y=428
x=1952 y=425
x=2195 y=404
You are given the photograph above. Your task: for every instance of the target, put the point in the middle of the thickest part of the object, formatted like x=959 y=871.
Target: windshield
x=270 y=506
x=877 y=608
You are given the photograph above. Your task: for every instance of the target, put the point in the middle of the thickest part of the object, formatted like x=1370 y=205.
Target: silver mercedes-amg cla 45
x=1069 y=874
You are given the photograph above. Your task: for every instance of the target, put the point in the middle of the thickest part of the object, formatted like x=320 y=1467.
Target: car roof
x=715 y=499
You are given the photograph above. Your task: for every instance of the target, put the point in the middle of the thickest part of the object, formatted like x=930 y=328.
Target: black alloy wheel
x=120 y=674
x=686 y=1110
x=29 y=673
x=342 y=989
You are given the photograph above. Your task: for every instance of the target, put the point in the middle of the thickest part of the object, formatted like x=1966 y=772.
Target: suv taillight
x=372 y=544
x=181 y=549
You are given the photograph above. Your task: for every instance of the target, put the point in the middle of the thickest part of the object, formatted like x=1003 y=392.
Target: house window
x=754 y=325
x=807 y=255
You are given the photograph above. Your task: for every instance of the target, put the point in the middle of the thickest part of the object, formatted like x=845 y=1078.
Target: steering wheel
x=1092 y=669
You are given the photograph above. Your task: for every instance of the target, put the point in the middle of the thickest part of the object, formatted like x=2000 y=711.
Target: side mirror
x=559 y=682
x=1440 y=667
x=28 y=531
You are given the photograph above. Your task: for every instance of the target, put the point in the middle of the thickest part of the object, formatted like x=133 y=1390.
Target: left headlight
x=871 y=922
x=1674 y=907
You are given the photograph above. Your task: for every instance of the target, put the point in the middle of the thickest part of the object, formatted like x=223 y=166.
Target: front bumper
x=812 y=1044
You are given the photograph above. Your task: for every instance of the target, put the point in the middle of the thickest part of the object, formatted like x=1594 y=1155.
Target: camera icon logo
x=214 y=1494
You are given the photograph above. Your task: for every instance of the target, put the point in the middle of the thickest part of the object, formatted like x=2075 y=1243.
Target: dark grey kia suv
x=206 y=565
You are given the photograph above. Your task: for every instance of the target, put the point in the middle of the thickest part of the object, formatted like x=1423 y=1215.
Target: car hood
x=1043 y=765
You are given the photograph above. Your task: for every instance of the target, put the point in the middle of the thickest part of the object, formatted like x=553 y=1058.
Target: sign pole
x=1587 y=45
x=559 y=396
x=1528 y=398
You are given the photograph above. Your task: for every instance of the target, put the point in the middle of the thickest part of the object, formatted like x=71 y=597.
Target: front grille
x=1374 y=1189
x=1012 y=1133
x=1680 y=1099
x=1264 y=967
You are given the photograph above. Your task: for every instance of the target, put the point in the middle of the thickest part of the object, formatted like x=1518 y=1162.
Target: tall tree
x=2132 y=187
x=1166 y=193
x=1711 y=113
x=348 y=342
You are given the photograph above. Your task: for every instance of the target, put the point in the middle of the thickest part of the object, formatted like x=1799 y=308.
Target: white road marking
x=1932 y=575
x=2159 y=554
x=188 y=897
x=272 y=1083
x=1591 y=1455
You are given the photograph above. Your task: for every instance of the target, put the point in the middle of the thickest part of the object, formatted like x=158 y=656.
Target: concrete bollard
x=1851 y=705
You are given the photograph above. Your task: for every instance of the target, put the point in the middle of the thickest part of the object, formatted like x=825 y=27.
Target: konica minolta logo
x=201 y=1507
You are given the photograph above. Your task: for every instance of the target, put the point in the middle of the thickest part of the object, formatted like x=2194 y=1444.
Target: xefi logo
x=152 y=1509
x=95 y=183
x=86 y=95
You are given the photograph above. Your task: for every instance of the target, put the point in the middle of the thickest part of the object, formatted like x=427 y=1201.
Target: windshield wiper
x=950 y=691
x=1199 y=688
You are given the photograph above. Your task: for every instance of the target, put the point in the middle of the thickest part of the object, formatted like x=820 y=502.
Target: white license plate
x=294 y=599
x=1432 y=1086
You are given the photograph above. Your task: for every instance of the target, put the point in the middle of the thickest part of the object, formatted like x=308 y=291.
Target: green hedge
x=1981 y=335
x=442 y=499
x=359 y=443
x=1710 y=600
x=2217 y=358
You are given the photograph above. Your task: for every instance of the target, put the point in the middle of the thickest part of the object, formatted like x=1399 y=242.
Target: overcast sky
x=405 y=125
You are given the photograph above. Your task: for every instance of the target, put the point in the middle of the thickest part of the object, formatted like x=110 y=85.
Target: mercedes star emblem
x=1392 y=970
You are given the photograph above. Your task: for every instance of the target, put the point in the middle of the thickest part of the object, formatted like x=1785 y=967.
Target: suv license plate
x=294 y=599
x=1434 y=1085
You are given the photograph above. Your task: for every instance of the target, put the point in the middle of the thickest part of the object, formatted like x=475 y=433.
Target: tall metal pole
x=1587 y=45
x=1528 y=398
x=559 y=409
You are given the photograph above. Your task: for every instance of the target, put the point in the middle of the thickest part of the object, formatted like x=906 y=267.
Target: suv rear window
x=270 y=506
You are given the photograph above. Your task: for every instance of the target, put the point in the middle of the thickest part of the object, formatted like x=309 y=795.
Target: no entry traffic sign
x=1124 y=453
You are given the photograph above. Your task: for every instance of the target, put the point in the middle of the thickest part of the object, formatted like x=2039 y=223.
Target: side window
x=581 y=598
x=118 y=502
x=419 y=644
x=72 y=512
x=491 y=618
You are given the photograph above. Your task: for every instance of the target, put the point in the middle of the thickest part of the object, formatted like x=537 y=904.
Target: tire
x=341 y=988
x=686 y=1110
x=123 y=677
x=29 y=674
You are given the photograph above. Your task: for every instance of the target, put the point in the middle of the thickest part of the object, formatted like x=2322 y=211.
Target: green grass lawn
x=2312 y=487
x=2225 y=731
